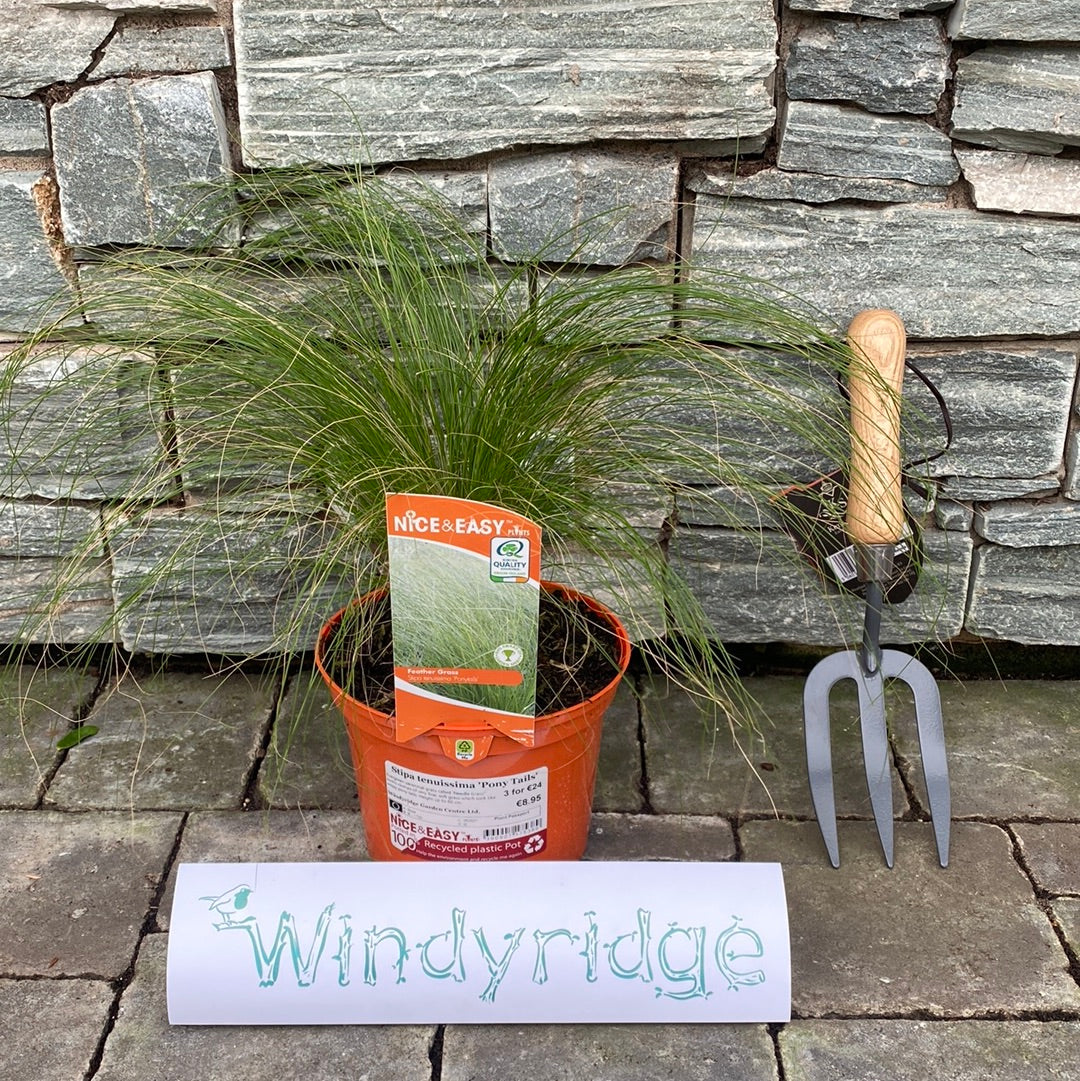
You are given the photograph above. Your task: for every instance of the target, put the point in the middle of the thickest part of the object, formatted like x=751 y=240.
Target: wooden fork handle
x=875 y=509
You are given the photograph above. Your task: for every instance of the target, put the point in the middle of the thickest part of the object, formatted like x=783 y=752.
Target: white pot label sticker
x=455 y=818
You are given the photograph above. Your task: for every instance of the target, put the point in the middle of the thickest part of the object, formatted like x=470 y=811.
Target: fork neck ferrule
x=875 y=564
x=875 y=561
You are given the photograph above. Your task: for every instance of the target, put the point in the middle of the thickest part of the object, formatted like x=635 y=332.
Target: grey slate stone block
x=1023 y=524
x=52 y=601
x=1018 y=97
x=904 y=1050
x=779 y=185
x=844 y=259
x=393 y=74
x=129 y=7
x=628 y=1052
x=144 y=1044
x=884 y=66
x=194 y=581
x=1009 y=405
x=878 y=9
x=130 y=154
x=83 y=1004
x=989 y=489
x=49 y=530
x=22 y=127
x=137 y=49
x=76 y=889
x=461 y=194
x=115 y=299
x=1022 y=183
x=86 y=426
x=846 y=141
x=1028 y=595
x=172 y=740
x=761 y=592
x=951 y=515
x=750 y=427
x=1071 y=489
x=618 y=583
x=1012 y=20
x=585 y=206
x=43 y=44
x=463 y=191
x=38 y=707
x=31 y=277
x=984 y=945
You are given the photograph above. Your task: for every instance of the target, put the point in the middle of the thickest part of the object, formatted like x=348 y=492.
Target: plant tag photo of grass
x=465 y=597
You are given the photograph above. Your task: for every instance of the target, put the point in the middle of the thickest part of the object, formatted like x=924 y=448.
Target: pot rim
x=622 y=661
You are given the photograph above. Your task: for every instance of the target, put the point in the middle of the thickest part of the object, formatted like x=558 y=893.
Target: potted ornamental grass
x=354 y=341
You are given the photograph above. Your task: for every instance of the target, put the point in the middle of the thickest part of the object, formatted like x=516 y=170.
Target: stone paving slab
x=694 y=769
x=75 y=890
x=1052 y=853
x=308 y=762
x=957 y=942
x=1067 y=913
x=265 y=837
x=51 y=1027
x=917 y=1050
x=659 y=837
x=618 y=772
x=173 y=740
x=37 y=707
x=608 y=1053
x=143 y=1045
x=1012 y=748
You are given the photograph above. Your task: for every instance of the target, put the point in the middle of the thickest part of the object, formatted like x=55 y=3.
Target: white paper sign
x=468 y=943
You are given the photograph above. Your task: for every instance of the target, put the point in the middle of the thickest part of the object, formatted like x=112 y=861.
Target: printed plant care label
x=464 y=599
x=455 y=818
x=429 y=943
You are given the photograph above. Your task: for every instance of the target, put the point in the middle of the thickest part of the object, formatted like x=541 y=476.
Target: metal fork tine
x=877 y=759
x=819 y=748
x=935 y=765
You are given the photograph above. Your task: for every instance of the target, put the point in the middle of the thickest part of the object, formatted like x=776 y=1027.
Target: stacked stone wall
x=910 y=154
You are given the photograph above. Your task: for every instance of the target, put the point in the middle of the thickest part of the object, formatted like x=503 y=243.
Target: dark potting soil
x=576 y=656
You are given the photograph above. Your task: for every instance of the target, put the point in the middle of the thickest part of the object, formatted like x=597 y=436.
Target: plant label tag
x=478 y=943
x=464 y=601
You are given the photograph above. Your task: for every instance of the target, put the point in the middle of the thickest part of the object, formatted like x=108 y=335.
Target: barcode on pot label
x=514 y=831
x=453 y=818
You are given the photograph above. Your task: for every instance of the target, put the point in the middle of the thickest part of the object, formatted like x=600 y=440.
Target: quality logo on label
x=509 y=559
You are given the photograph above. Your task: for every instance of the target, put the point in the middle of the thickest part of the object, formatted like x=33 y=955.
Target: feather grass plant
x=360 y=341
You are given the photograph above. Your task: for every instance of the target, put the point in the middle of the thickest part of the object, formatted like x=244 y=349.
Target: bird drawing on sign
x=229 y=904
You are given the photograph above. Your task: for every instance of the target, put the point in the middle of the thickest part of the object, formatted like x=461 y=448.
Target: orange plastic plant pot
x=467 y=792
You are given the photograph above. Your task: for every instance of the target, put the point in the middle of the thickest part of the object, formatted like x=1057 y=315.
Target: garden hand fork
x=875 y=522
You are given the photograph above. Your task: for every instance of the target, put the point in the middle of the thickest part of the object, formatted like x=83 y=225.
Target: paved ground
x=966 y=973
